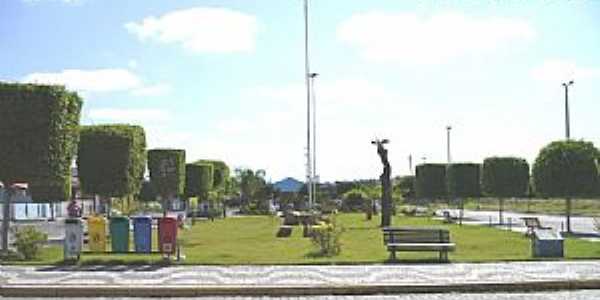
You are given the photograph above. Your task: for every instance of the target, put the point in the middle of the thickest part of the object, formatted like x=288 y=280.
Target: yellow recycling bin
x=97 y=234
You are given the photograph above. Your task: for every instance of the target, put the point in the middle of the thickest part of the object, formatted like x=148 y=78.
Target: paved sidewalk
x=296 y=280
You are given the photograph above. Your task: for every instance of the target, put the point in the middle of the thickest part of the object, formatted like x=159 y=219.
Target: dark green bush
x=28 y=241
x=463 y=180
x=505 y=177
x=567 y=169
x=406 y=185
x=354 y=200
x=167 y=171
x=112 y=159
x=430 y=182
x=39 y=130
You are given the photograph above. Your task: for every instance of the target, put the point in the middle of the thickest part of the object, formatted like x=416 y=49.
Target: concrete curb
x=279 y=291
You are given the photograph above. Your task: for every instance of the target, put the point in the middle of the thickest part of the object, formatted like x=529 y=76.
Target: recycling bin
x=142 y=234
x=119 y=234
x=547 y=243
x=167 y=235
x=73 y=239
x=97 y=234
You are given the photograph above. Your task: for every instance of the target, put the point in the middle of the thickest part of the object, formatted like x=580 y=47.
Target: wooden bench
x=532 y=224
x=417 y=239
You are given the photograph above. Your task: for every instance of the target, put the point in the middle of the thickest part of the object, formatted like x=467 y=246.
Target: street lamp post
x=567 y=121
x=307 y=81
x=448 y=128
x=314 y=135
x=568 y=136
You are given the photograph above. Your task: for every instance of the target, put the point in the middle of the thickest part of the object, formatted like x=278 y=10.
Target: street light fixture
x=567 y=121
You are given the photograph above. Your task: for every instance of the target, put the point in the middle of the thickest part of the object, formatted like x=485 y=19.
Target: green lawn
x=251 y=240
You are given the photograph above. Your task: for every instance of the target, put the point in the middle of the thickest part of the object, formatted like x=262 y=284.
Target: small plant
x=28 y=241
x=326 y=237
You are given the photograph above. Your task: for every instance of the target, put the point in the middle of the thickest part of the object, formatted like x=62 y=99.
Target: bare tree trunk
x=8 y=192
x=501 y=210
x=386 y=201
x=569 y=215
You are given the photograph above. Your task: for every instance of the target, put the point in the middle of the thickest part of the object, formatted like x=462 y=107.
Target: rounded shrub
x=567 y=169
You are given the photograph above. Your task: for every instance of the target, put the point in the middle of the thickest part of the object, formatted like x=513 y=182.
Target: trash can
x=547 y=243
x=142 y=234
x=73 y=239
x=97 y=234
x=119 y=234
x=167 y=231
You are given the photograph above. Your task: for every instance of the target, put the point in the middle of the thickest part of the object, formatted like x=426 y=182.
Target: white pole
x=307 y=80
x=314 y=134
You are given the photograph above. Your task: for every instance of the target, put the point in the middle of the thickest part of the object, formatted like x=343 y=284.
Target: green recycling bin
x=119 y=234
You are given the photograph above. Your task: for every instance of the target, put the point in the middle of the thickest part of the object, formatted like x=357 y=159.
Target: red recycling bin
x=167 y=231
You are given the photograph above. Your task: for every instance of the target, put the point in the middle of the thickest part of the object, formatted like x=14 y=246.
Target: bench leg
x=443 y=256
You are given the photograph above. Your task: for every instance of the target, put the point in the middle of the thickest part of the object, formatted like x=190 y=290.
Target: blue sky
x=224 y=79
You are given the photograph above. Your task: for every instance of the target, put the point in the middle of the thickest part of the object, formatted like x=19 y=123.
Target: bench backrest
x=532 y=222
x=415 y=235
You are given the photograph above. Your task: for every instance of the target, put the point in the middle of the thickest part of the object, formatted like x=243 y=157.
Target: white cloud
x=160 y=89
x=99 y=80
x=129 y=115
x=200 y=29
x=61 y=1
x=557 y=71
x=409 y=38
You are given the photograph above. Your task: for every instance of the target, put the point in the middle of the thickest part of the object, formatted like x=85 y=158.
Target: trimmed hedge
x=39 y=131
x=199 y=179
x=220 y=169
x=167 y=171
x=430 y=181
x=112 y=159
x=463 y=180
x=567 y=169
x=505 y=177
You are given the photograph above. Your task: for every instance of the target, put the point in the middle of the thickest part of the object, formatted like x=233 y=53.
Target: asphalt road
x=580 y=225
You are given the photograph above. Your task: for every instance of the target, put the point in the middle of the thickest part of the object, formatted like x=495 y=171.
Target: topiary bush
x=463 y=180
x=28 y=241
x=430 y=181
x=111 y=159
x=505 y=177
x=566 y=169
x=220 y=171
x=167 y=171
x=39 y=130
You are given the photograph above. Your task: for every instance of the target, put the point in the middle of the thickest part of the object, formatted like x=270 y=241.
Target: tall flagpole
x=307 y=80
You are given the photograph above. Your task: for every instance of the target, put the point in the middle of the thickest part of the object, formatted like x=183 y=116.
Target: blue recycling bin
x=142 y=234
